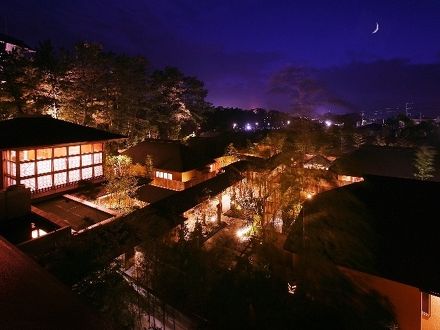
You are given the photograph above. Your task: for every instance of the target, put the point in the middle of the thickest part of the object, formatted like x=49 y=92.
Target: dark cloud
x=360 y=86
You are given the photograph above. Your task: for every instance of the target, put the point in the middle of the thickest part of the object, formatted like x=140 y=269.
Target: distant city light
x=328 y=123
x=234 y=125
x=256 y=124
x=248 y=127
x=309 y=195
x=288 y=122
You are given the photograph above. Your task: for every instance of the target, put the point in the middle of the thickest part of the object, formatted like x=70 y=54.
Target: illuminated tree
x=424 y=162
x=121 y=182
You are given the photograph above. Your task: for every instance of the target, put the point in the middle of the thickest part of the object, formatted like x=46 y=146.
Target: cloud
x=362 y=86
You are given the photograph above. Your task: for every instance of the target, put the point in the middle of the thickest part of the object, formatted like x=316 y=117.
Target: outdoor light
x=288 y=122
x=309 y=195
x=234 y=125
x=328 y=123
x=248 y=127
x=243 y=233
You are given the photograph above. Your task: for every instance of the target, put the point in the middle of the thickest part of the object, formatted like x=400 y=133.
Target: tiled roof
x=37 y=131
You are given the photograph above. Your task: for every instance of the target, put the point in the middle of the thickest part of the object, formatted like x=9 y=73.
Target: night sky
x=240 y=48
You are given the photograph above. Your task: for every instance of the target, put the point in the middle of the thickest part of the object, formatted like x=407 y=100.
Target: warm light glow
x=309 y=195
x=328 y=123
x=248 y=127
x=291 y=288
x=38 y=233
x=288 y=122
x=244 y=233
x=234 y=125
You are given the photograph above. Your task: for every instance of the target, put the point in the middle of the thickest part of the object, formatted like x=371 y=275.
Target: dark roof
x=14 y=41
x=395 y=162
x=318 y=160
x=383 y=226
x=33 y=299
x=168 y=155
x=37 y=131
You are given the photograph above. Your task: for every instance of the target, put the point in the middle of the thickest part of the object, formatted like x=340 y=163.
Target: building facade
x=60 y=155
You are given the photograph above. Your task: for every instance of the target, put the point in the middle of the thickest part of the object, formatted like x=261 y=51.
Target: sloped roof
x=168 y=155
x=395 y=162
x=318 y=160
x=33 y=299
x=14 y=41
x=34 y=131
x=382 y=226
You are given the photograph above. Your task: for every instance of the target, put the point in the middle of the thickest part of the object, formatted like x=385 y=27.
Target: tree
x=149 y=166
x=358 y=140
x=120 y=181
x=424 y=162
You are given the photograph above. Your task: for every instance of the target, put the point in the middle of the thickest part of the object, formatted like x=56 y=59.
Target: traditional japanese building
x=47 y=154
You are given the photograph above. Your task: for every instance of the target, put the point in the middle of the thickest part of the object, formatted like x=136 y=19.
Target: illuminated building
x=47 y=155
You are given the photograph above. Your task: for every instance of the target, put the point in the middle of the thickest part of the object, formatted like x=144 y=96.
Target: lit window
x=86 y=160
x=97 y=147
x=27 y=155
x=60 y=178
x=426 y=304
x=44 y=181
x=27 y=169
x=44 y=153
x=11 y=168
x=60 y=152
x=60 y=164
x=13 y=156
x=29 y=183
x=74 y=176
x=87 y=173
x=44 y=166
x=98 y=171
x=97 y=158
x=74 y=150
x=86 y=148
x=74 y=161
x=37 y=232
x=169 y=176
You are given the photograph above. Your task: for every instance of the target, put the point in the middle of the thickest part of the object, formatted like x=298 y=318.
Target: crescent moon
x=376 y=29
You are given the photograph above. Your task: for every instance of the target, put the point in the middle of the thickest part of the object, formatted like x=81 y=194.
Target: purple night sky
x=238 y=47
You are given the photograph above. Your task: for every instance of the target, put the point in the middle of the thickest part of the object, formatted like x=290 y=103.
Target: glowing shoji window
x=27 y=169
x=60 y=164
x=60 y=152
x=87 y=173
x=86 y=160
x=44 y=153
x=86 y=148
x=11 y=168
x=164 y=175
x=44 y=166
x=97 y=158
x=98 y=170
x=27 y=155
x=60 y=178
x=29 y=183
x=13 y=156
x=74 y=150
x=97 y=147
x=74 y=176
x=74 y=161
x=44 y=181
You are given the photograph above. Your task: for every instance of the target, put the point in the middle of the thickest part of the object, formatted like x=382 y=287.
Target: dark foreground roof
x=32 y=299
x=382 y=161
x=383 y=226
x=37 y=131
x=168 y=155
